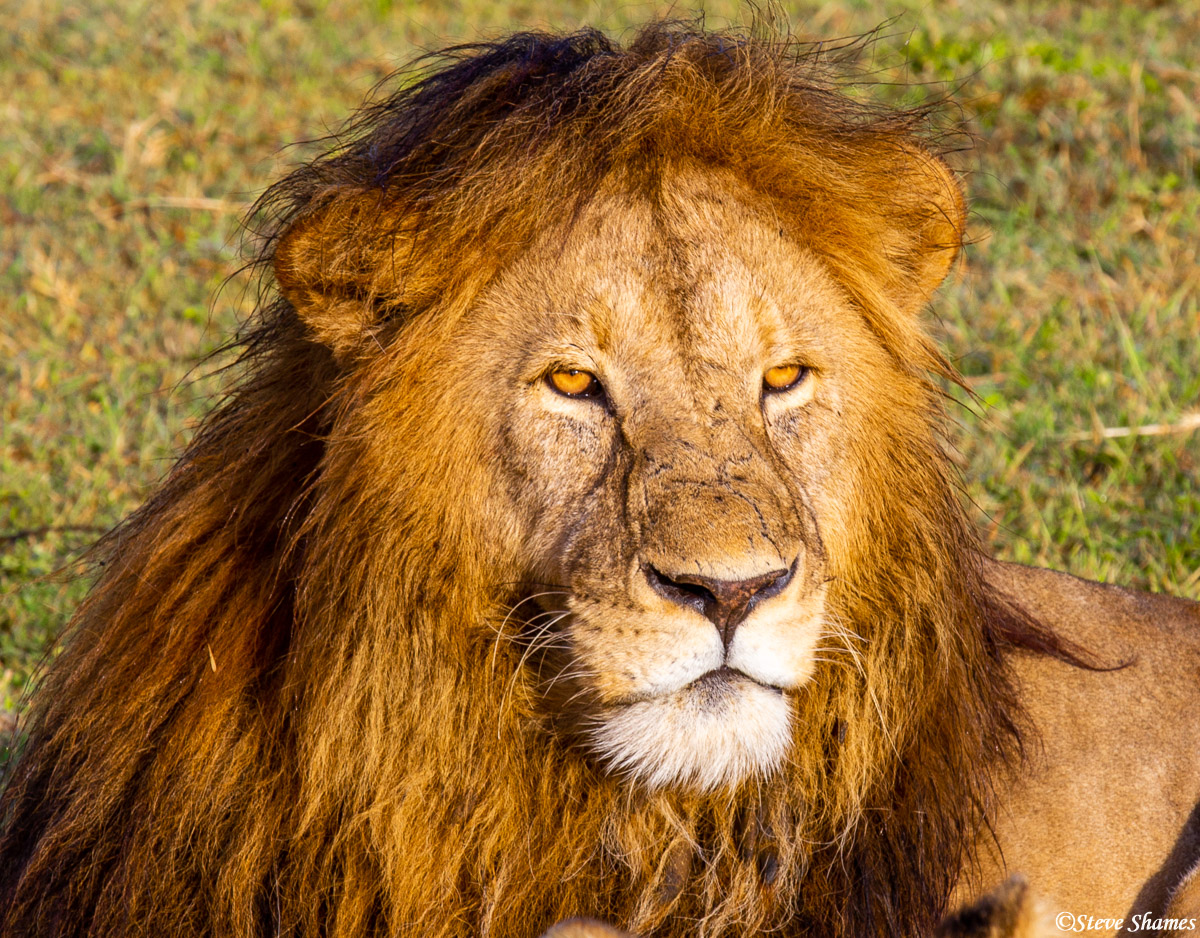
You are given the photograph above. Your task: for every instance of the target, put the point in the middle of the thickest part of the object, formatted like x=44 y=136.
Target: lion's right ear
x=337 y=267
x=939 y=223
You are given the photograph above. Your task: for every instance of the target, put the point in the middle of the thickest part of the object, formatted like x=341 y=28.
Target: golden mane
x=284 y=708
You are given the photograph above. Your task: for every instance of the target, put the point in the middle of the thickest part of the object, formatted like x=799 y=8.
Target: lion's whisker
x=533 y=596
x=506 y=698
x=501 y=634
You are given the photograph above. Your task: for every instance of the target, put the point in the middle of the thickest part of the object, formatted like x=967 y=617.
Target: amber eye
x=783 y=377
x=574 y=382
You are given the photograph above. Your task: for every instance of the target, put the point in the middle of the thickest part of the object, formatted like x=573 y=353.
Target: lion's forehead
x=704 y=276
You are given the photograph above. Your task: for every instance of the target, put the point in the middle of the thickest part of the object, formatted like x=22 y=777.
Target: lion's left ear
x=940 y=218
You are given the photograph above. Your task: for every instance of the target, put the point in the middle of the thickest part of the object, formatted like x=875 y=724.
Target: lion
x=579 y=541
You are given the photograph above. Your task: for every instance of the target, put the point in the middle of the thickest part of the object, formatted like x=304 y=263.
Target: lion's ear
x=337 y=267
x=940 y=217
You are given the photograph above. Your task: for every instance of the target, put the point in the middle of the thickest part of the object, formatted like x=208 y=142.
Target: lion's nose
x=725 y=603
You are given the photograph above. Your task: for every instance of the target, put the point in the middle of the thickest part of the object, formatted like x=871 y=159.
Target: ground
x=135 y=133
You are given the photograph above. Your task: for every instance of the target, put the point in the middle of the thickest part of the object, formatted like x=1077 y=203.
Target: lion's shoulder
x=1117 y=744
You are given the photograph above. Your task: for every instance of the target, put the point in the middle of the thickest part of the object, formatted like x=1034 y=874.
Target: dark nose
x=725 y=603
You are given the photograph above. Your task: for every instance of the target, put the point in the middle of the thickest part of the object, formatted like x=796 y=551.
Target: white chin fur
x=704 y=736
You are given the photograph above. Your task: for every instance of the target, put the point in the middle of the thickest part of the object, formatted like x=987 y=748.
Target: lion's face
x=670 y=388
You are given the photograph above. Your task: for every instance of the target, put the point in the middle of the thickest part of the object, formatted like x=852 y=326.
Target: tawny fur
x=294 y=703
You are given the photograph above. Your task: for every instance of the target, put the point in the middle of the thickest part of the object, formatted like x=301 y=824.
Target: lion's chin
x=713 y=733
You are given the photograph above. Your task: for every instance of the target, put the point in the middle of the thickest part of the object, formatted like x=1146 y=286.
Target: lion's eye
x=783 y=377
x=573 y=382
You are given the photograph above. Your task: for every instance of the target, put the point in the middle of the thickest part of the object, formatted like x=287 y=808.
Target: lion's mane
x=285 y=709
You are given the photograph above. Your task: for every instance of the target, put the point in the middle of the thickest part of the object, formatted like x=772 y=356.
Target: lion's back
x=1099 y=615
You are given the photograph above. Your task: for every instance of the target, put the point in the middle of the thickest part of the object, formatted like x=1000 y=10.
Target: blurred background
x=135 y=133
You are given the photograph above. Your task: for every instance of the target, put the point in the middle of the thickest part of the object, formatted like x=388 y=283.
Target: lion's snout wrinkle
x=729 y=519
x=725 y=603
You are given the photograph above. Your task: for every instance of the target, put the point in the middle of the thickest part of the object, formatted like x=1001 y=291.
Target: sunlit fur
x=294 y=704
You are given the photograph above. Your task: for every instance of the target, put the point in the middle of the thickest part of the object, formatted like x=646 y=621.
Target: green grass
x=133 y=133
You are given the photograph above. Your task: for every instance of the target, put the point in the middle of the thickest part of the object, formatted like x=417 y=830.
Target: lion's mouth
x=715 y=689
x=710 y=688
x=725 y=677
